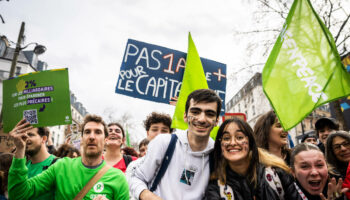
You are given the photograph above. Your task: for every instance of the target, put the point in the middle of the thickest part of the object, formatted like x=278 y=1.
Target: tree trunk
x=339 y=115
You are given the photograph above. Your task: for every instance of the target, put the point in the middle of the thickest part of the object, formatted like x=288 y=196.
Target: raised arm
x=19 y=186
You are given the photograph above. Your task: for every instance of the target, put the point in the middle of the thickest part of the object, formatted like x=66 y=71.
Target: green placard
x=42 y=98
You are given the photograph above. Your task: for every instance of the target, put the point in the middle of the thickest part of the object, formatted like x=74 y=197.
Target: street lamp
x=39 y=49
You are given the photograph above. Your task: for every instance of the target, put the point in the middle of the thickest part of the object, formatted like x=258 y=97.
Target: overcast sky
x=89 y=38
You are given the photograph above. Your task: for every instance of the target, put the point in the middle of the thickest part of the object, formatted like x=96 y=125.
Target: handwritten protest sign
x=6 y=143
x=42 y=98
x=155 y=73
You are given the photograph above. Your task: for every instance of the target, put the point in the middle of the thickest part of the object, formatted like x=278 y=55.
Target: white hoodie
x=175 y=184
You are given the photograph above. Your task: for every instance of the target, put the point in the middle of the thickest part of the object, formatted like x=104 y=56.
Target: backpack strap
x=92 y=182
x=53 y=162
x=127 y=159
x=211 y=162
x=166 y=160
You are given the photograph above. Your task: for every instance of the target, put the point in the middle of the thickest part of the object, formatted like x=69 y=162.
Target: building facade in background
x=62 y=132
x=252 y=101
x=27 y=62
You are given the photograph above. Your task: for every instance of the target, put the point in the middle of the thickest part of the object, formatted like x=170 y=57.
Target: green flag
x=193 y=79
x=304 y=69
x=127 y=138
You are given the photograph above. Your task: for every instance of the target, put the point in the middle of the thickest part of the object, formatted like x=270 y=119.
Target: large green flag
x=193 y=79
x=304 y=69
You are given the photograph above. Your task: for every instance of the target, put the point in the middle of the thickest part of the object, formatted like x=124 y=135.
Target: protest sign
x=155 y=73
x=42 y=98
x=227 y=116
x=6 y=143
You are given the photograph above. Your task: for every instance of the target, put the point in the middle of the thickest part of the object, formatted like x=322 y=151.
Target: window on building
x=311 y=125
x=3 y=74
x=253 y=108
x=239 y=108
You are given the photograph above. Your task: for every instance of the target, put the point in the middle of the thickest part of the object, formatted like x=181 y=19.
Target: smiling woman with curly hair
x=67 y=150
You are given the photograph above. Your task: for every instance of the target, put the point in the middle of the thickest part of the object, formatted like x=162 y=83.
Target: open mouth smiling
x=201 y=126
x=234 y=149
x=284 y=136
x=114 y=137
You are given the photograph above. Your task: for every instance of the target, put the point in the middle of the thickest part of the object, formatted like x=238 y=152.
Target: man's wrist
x=20 y=153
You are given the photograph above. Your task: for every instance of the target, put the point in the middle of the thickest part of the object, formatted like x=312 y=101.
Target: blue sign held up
x=155 y=73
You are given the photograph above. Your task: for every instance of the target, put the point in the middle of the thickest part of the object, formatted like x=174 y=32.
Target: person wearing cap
x=309 y=137
x=324 y=127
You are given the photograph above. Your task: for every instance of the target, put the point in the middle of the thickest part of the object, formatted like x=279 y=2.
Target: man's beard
x=34 y=151
x=94 y=154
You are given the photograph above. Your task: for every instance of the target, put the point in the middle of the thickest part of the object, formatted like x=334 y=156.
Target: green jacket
x=38 y=168
x=66 y=177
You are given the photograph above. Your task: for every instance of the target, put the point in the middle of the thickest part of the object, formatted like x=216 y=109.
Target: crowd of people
x=242 y=163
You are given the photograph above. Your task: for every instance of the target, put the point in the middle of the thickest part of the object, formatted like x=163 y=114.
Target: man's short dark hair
x=119 y=125
x=155 y=118
x=204 y=96
x=130 y=151
x=43 y=131
x=94 y=118
x=144 y=142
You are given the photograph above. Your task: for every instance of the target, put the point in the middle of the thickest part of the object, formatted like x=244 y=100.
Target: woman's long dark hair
x=220 y=162
x=5 y=164
x=262 y=131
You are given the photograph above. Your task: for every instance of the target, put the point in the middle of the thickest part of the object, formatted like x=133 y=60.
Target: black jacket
x=322 y=147
x=317 y=197
x=244 y=190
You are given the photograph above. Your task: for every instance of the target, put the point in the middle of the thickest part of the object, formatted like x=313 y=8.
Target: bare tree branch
x=269 y=6
x=330 y=13
x=341 y=28
x=343 y=41
x=248 y=67
x=256 y=31
x=2 y=19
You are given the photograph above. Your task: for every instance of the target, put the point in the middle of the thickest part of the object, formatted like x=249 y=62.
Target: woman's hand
x=335 y=190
